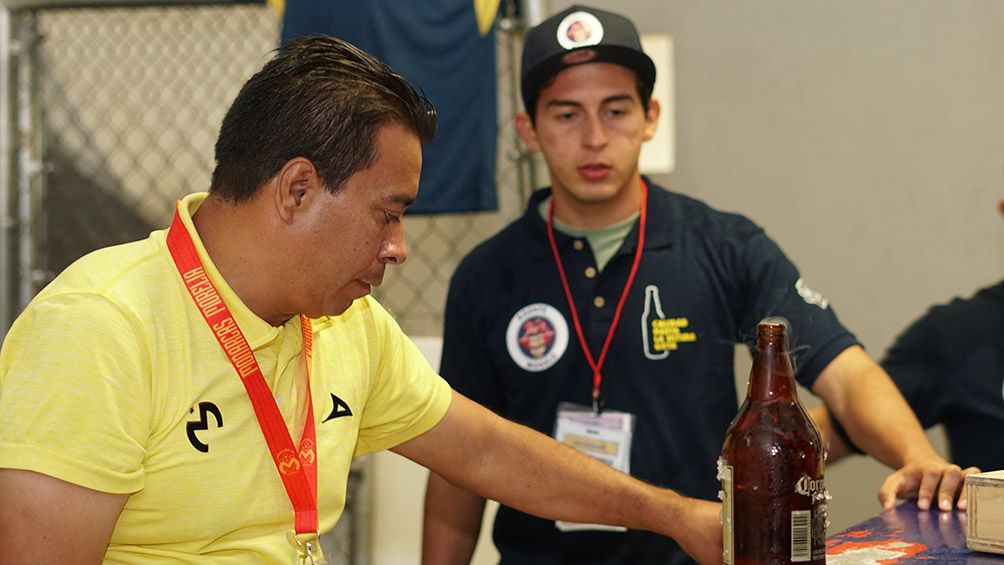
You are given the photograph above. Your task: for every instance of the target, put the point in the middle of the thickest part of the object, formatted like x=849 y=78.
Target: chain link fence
x=115 y=113
x=130 y=101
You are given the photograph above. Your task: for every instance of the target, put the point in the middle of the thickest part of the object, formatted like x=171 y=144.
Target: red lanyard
x=297 y=467
x=597 y=365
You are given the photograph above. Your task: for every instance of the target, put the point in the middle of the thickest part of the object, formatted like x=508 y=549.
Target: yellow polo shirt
x=112 y=380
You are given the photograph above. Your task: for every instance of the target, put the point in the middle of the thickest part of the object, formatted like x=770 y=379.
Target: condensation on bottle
x=771 y=469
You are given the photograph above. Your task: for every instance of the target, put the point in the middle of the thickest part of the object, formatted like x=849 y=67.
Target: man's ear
x=652 y=118
x=296 y=183
x=524 y=126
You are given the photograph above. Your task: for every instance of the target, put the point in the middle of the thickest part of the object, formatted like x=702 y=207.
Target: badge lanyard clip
x=306 y=550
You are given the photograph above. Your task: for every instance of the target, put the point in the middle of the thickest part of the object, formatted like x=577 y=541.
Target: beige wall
x=866 y=137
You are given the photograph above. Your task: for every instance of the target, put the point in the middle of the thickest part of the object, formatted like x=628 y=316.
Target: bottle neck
x=772 y=376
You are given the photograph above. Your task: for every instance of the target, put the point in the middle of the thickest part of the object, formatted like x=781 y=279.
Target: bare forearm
x=451 y=523
x=526 y=470
x=860 y=394
x=875 y=414
x=882 y=424
x=519 y=467
x=557 y=482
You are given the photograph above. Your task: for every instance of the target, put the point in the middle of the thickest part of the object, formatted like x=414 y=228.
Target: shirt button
x=578 y=245
x=590 y=272
x=599 y=302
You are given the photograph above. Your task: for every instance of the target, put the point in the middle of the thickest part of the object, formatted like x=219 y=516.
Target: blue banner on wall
x=436 y=45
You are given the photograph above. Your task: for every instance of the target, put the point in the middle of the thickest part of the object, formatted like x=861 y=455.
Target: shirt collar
x=257 y=331
x=664 y=219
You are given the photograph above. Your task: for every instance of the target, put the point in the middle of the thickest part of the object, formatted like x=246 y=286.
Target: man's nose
x=594 y=134
x=394 y=249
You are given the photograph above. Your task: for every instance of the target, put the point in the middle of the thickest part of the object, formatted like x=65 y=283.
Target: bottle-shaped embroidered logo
x=651 y=326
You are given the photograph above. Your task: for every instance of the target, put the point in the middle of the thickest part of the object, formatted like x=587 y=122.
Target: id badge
x=308 y=549
x=605 y=436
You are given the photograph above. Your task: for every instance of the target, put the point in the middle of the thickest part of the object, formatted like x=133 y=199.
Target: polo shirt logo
x=659 y=334
x=205 y=409
x=339 y=409
x=537 y=337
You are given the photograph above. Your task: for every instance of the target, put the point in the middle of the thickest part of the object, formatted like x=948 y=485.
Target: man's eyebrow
x=402 y=200
x=618 y=98
x=552 y=103
x=607 y=100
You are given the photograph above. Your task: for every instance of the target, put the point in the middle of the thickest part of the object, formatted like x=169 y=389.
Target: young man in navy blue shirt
x=615 y=297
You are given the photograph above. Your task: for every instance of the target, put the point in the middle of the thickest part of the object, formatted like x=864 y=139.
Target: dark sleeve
x=916 y=364
x=466 y=361
x=775 y=288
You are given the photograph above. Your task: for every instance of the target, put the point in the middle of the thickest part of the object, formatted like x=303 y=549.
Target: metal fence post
x=29 y=164
x=6 y=160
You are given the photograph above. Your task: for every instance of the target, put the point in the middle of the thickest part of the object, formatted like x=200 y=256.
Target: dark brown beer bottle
x=773 y=495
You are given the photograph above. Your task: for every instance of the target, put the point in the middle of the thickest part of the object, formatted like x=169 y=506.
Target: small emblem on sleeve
x=537 y=337
x=810 y=296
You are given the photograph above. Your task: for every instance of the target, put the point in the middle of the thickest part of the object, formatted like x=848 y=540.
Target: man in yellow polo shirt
x=136 y=390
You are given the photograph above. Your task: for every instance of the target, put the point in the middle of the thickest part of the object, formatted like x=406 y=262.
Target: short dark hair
x=320 y=98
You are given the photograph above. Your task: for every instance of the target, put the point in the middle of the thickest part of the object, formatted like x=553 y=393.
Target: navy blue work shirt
x=704 y=281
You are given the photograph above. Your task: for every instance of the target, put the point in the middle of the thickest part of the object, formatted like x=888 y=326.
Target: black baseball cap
x=575 y=36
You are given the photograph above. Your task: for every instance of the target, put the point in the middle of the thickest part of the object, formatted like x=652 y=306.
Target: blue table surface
x=907 y=535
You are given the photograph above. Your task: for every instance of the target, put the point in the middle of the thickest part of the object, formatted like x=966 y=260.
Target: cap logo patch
x=537 y=337
x=579 y=29
x=578 y=57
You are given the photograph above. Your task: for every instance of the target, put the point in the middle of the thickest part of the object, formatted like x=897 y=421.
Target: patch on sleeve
x=811 y=296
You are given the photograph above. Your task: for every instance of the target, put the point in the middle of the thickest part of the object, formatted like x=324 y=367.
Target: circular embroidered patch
x=537 y=337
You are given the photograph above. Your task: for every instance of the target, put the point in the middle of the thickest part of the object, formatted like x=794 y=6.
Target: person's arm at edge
x=451 y=522
x=859 y=393
x=47 y=520
x=479 y=451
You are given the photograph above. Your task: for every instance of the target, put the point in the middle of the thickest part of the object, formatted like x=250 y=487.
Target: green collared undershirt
x=603 y=241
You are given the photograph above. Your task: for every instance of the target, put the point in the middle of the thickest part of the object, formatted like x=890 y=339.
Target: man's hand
x=922 y=480
x=925 y=480
x=702 y=537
